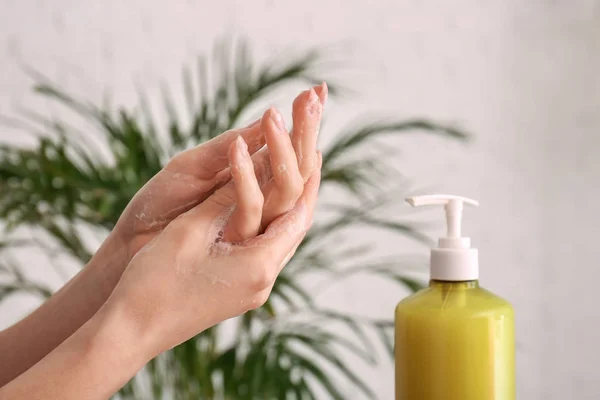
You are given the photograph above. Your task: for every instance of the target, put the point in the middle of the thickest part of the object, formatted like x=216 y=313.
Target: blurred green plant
x=291 y=348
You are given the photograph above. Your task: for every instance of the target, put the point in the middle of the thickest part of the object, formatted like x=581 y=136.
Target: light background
x=524 y=77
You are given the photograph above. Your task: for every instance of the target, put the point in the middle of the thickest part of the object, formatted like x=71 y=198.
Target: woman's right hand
x=211 y=263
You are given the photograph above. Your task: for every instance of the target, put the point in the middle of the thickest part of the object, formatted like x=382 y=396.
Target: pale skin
x=203 y=241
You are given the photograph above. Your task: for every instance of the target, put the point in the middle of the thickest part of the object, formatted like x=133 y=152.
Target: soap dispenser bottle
x=454 y=340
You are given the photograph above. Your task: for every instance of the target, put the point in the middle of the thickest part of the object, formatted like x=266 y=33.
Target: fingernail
x=277 y=119
x=323 y=93
x=313 y=101
x=242 y=147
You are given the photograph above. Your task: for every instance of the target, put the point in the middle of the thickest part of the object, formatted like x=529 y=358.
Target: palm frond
x=226 y=90
x=283 y=362
x=357 y=136
x=15 y=282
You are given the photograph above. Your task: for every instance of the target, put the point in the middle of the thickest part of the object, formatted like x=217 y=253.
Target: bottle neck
x=456 y=285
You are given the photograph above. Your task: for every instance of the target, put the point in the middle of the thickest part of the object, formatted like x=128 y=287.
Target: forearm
x=91 y=364
x=31 y=339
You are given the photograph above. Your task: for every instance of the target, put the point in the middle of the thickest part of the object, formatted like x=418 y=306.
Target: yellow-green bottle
x=454 y=340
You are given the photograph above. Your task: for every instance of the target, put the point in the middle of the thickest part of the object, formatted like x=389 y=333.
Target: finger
x=206 y=160
x=261 y=158
x=284 y=166
x=223 y=198
x=307 y=112
x=262 y=169
x=283 y=234
x=244 y=222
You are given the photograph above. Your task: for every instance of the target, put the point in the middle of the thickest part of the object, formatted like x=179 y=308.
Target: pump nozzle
x=454 y=258
x=453 y=206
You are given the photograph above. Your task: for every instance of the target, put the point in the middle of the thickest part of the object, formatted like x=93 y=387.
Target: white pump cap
x=453 y=259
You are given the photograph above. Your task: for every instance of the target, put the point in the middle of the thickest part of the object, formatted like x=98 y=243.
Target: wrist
x=108 y=351
x=93 y=363
x=109 y=262
x=114 y=329
x=130 y=313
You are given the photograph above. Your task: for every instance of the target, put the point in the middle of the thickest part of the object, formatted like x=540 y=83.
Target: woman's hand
x=212 y=262
x=193 y=175
x=189 y=279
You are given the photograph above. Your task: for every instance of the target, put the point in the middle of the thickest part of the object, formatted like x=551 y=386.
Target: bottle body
x=454 y=341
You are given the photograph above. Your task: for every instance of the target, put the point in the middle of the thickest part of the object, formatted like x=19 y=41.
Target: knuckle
x=189 y=161
x=309 y=166
x=259 y=299
x=262 y=278
x=300 y=100
x=178 y=159
x=254 y=209
x=298 y=189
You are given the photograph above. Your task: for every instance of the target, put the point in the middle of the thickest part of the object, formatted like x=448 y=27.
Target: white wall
x=523 y=76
